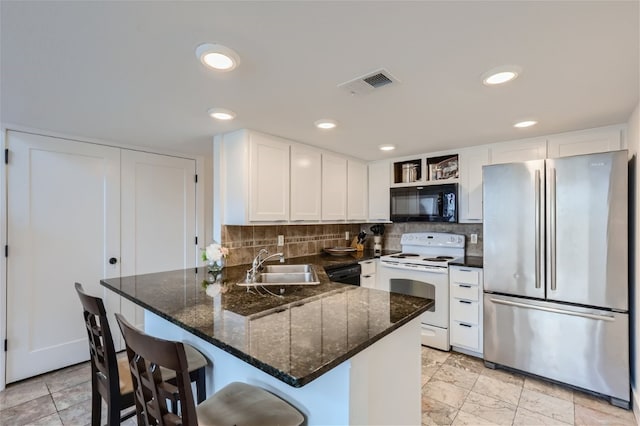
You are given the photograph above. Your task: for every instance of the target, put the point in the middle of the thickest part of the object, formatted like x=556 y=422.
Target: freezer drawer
x=583 y=347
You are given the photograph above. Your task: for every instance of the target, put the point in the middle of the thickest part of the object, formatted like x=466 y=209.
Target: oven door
x=431 y=285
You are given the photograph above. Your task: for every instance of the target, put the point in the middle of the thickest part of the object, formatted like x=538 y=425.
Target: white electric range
x=422 y=270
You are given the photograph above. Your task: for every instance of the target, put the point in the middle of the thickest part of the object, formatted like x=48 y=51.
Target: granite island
x=341 y=354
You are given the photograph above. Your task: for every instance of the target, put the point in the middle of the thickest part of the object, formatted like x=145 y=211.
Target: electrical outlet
x=280 y=240
x=346 y=235
x=474 y=238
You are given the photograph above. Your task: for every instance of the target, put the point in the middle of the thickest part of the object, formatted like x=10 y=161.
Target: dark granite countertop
x=470 y=261
x=296 y=338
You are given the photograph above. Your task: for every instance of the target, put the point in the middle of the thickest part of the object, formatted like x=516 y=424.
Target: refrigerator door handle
x=554 y=310
x=537 y=225
x=552 y=226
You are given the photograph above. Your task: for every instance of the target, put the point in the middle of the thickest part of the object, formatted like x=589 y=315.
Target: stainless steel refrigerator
x=555 y=270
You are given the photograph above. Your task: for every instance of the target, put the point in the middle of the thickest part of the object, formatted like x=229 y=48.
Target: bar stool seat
x=243 y=404
x=236 y=404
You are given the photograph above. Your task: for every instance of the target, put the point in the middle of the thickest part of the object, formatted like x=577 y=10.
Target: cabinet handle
x=464 y=285
x=465 y=302
x=465 y=325
x=465 y=270
x=366 y=276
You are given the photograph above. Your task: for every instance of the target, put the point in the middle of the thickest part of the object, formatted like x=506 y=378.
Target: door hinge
x=196 y=240
x=5 y=345
x=196 y=178
x=6 y=251
x=6 y=156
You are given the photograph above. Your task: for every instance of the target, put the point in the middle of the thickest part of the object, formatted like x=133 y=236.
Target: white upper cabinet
x=518 y=151
x=306 y=183
x=585 y=142
x=269 y=185
x=379 y=183
x=252 y=172
x=357 y=190
x=471 y=161
x=334 y=188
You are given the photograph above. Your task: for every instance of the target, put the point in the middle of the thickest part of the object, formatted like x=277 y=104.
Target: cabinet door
x=379 y=183
x=470 y=190
x=518 y=151
x=357 y=193
x=334 y=187
x=63 y=225
x=585 y=142
x=306 y=183
x=269 y=182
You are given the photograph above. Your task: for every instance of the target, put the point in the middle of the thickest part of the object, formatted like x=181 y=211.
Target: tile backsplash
x=244 y=242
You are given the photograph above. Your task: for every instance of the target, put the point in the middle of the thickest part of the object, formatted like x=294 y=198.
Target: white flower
x=214 y=252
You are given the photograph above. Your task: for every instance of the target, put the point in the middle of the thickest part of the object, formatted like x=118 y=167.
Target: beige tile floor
x=457 y=389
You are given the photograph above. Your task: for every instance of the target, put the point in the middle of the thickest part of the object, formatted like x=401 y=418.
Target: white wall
x=633 y=143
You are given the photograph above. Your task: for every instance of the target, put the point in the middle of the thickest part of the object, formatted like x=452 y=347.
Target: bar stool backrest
x=104 y=363
x=146 y=355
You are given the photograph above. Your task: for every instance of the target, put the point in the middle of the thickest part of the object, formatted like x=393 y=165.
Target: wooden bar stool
x=235 y=404
x=110 y=374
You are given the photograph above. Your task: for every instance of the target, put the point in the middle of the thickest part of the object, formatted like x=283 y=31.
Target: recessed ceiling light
x=526 y=123
x=326 y=124
x=387 y=147
x=501 y=75
x=217 y=56
x=222 y=114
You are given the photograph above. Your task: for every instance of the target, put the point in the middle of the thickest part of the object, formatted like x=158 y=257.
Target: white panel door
x=518 y=151
x=379 y=182
x=158 y=217
x=470 y=191
x=357 y=190
x=269 y=185
x=590 y=141
x=334 y=187
x=306 y=184
x=63 y=210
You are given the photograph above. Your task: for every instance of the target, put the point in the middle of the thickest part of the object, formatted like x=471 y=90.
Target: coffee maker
x=378 y=232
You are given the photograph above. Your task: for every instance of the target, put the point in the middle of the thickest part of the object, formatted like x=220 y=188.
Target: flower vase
x=215 y=266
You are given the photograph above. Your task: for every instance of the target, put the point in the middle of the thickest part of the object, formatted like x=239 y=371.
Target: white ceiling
x=127 y=72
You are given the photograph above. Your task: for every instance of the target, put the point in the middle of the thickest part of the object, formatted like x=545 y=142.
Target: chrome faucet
x=256 y=265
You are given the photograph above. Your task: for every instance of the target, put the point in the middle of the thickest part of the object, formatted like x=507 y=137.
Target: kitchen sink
x=288 y=269
x=285 y=275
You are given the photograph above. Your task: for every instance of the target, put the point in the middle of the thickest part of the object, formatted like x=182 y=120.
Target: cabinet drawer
x=464 y=291
x=368 y=267
x=464 y=275
x=465 y=335
x=465 y=311
x=368 y=281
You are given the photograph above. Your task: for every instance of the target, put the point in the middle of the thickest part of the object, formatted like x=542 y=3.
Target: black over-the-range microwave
x=427 y=203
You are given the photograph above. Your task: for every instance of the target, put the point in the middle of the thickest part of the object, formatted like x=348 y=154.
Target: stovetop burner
x=437 y=259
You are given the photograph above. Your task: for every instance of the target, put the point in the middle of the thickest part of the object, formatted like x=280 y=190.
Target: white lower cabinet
x=368 y=270
x=465 y=313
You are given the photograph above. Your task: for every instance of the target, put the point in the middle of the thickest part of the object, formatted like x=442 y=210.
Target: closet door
x=63 y=213
x=158 y=217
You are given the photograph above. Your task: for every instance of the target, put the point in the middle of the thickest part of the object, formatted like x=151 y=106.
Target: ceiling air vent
x=369 y=82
